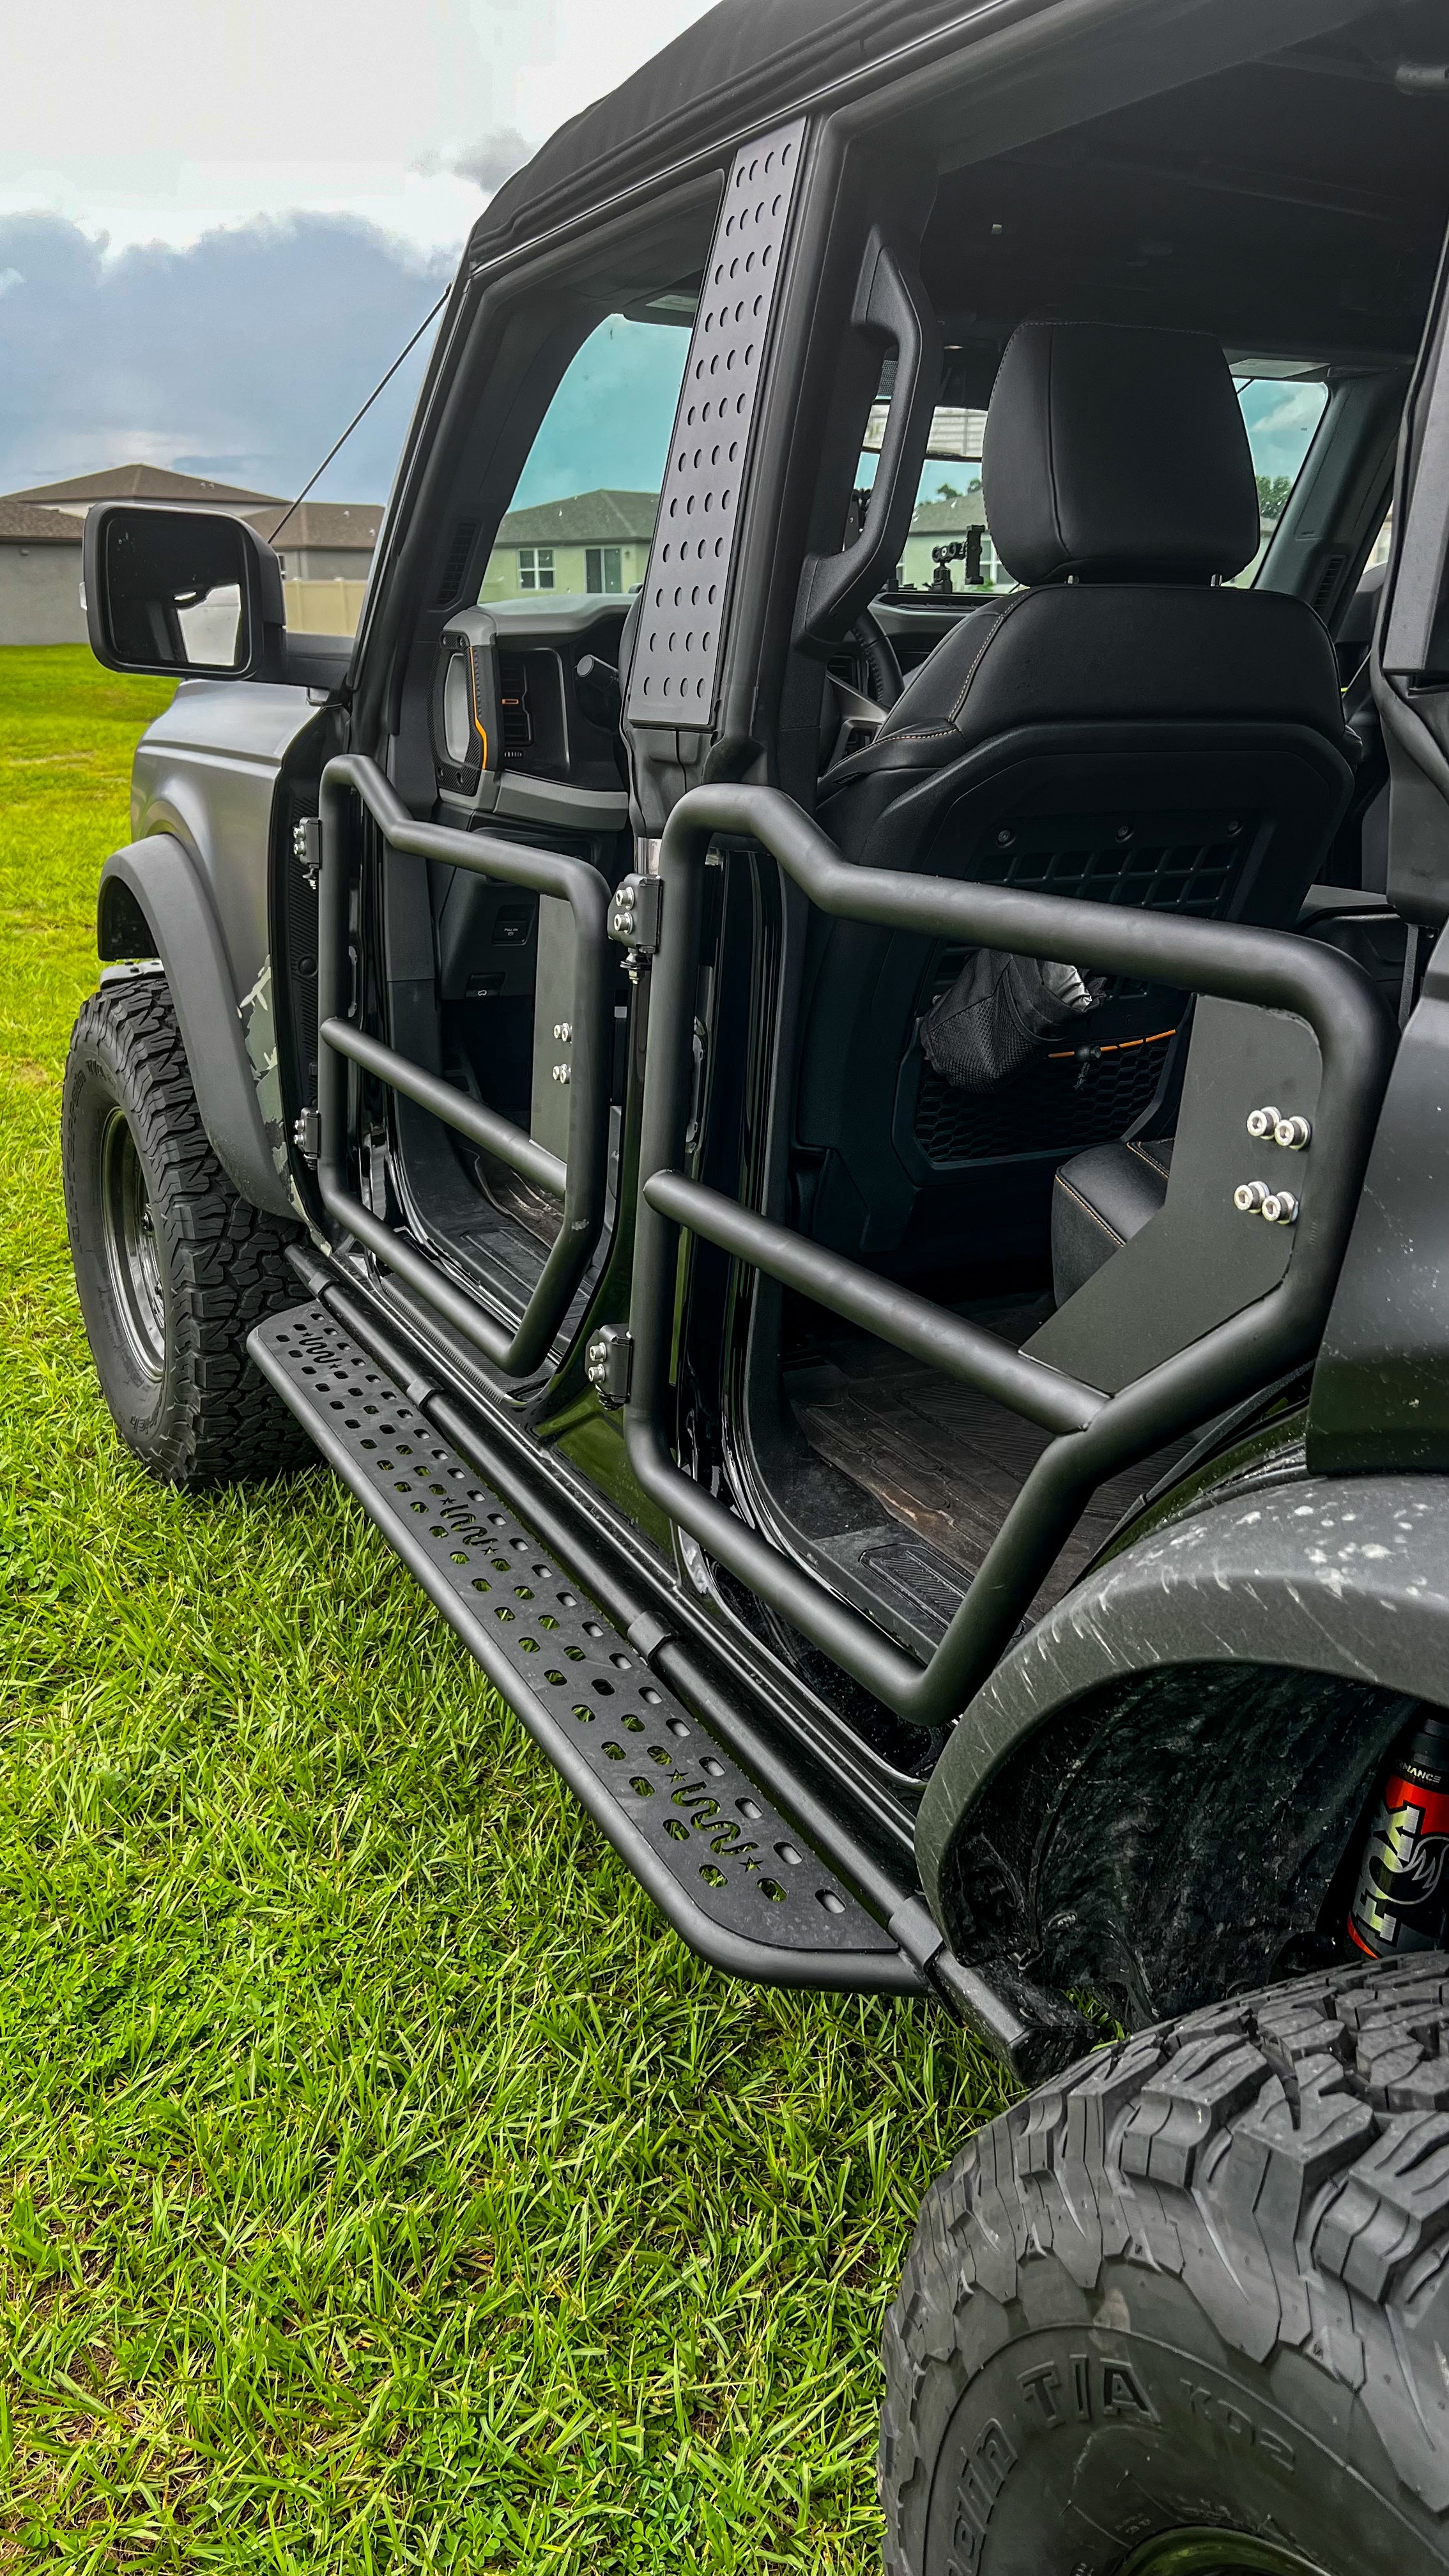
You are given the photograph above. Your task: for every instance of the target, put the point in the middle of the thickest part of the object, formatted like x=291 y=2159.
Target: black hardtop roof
x=745 y=64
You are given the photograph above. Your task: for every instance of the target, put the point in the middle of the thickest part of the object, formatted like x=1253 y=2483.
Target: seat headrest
x=1117 y=453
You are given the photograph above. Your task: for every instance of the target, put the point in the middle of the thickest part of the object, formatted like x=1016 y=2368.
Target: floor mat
x=943 y=1460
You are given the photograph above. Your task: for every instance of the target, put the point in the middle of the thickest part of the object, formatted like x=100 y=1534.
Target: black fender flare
x=1304 y=1584
x=151 y=903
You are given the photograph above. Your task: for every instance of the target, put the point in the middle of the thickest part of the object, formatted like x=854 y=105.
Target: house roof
x=22 y=524
x=140 y=483
x=586 y=518
x=323 y=523
x=745 y=64
x=949 y=518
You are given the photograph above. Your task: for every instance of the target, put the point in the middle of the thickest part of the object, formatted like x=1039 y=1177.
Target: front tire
x=1186 y=2308
x=172 y=1266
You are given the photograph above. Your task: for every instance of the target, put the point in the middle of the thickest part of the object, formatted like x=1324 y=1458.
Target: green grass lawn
x=382 y=2185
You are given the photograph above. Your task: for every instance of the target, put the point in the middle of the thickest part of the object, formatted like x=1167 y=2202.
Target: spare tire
x=1186 y=2307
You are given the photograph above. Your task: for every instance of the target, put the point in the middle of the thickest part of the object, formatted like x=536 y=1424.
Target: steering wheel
x=879 y=655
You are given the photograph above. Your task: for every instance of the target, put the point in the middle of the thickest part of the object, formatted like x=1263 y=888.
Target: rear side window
x=1282 y=420
x=950 y=549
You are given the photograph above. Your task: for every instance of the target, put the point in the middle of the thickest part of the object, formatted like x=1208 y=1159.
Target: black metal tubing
x=1096 y=1435
x=482 y=1126
x=580 y=1179
x=898 y=1315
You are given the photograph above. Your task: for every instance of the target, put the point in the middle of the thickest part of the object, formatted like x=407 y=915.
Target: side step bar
x=736 y=1880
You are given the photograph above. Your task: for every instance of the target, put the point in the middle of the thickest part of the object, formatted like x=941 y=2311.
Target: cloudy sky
x=221 y=219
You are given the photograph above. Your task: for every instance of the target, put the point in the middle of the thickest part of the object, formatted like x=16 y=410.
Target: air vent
x=513 y=689
x=1326 y=589
x=457 y=564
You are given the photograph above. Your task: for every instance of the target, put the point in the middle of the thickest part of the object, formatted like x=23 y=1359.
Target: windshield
x=949 y=548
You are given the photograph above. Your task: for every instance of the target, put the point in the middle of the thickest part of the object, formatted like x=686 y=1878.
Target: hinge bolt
x=307 y=847
x=608 y=1363
x=1262 y=1123
x=1249 y=1197
x=1281 y=1208
x=1292 y=1132
x=561 y=1073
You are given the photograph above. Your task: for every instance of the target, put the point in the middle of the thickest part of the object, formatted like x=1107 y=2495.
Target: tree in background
x=1273 y=491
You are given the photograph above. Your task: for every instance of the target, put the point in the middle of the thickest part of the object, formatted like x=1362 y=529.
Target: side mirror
x=193 y=594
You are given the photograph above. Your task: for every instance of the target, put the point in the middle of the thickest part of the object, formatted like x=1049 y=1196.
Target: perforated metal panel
x=672 y=680
x=736 y=1858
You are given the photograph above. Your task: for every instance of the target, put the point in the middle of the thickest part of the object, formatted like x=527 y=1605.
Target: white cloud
x=160 y=122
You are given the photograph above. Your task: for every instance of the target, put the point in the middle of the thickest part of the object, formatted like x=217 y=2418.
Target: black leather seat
x=1100 y=1199
x=1124 y=728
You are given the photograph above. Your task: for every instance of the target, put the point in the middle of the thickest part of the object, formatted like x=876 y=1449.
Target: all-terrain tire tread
x=1286 y=2154
x=229 y=1262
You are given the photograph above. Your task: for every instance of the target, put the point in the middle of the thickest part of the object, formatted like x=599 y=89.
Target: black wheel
x=1185 y=2310
x=172 y=1266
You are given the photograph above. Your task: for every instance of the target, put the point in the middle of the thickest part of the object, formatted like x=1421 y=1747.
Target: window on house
x=535 y=567
x=602 y=568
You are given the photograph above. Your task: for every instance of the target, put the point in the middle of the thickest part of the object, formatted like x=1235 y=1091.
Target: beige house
x=325 y=547
x=592 y=542
x=40 y=541
x=326 y=550
x=40 y=576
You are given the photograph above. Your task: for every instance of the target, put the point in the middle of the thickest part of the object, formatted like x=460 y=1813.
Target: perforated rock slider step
x=666 y=1791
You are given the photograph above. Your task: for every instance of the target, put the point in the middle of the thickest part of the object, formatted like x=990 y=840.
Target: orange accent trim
x=1114 y=1046
x=1358 y=1937
x=479 y=728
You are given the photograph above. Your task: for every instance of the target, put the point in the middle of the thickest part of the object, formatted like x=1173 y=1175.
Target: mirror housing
x=187 y=594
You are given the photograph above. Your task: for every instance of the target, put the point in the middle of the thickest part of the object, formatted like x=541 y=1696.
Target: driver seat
x=1123 y=729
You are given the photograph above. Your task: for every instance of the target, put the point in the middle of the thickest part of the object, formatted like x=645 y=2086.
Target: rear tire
x=1186 y=2308
x=172 y=1266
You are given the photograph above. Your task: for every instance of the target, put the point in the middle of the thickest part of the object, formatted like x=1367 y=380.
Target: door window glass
x=582 y=516
x=1382 y=542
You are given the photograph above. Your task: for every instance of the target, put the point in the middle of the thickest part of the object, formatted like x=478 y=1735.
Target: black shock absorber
x=1401 y=1900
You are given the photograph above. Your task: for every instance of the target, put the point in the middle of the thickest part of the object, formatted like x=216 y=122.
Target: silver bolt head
x=1281 y=1208
x=1294 y=1133
x=1249 y=1196
x=1262 y=1122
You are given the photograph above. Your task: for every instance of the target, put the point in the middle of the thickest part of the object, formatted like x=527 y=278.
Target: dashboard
x=525 y=714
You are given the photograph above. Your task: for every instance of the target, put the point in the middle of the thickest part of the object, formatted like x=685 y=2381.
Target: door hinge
x=305 y=1135
x=634 y=910
x=609 y=1361
x=307 y=847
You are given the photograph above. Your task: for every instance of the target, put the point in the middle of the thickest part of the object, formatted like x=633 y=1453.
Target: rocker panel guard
x=580 y=1180
x=1096 y=1434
